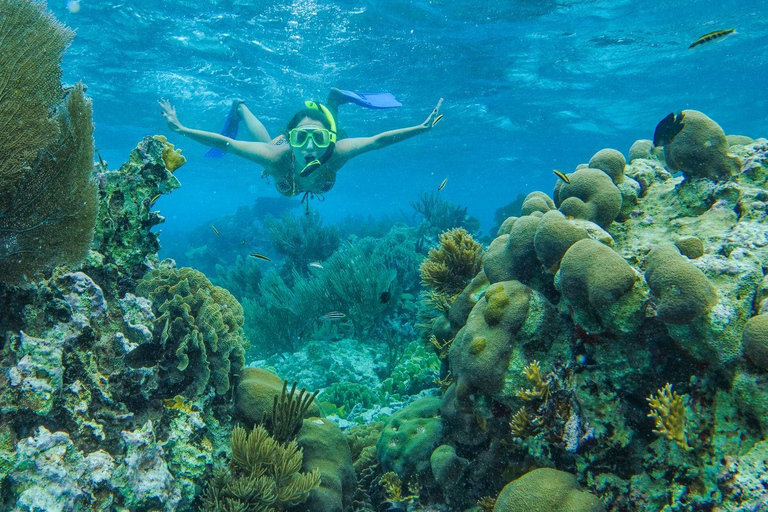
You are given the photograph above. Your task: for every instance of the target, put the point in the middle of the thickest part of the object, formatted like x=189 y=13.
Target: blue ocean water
x=529 y=86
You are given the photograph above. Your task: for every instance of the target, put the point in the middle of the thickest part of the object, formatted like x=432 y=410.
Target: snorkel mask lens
x=298 y=137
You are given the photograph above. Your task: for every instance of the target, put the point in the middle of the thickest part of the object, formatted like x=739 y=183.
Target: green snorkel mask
x=315 y=164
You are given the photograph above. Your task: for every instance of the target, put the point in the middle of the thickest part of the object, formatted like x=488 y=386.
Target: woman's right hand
x=169 y=113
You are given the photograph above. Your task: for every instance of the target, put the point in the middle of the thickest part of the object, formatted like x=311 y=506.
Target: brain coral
x=554 y=236
x=591 y=195
x=537 y=202
x=756 y=341
x=683 y=292
x=700 y=150
x=611 y=162
x=198 y=338
x=599 y=284
x=546 y=490
x=513 y=256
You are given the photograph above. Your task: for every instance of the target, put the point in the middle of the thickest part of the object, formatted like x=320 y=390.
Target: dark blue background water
x=528 y=85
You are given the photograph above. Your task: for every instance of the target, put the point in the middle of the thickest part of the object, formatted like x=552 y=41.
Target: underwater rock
x=126 y=246
x=35 y=382
x=700 y=150
x=447 y=470
x=144 y=479
x=51 y=474
x=738 y=140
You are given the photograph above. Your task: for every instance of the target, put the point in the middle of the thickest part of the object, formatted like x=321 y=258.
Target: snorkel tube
x=314 y=164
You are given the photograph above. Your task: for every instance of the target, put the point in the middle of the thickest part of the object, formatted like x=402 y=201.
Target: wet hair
x=315 y=115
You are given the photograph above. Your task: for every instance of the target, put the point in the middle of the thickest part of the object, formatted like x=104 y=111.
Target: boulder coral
x=611 y=162
x=682 y=291
x=546 y=490
x=756 y=341
x=327 y=452
x=604 y=291
x=700 y=150
x=410 y=437
x=591 y=195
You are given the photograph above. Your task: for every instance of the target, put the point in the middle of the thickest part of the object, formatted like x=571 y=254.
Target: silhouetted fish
x=668 y=129
x=384 y=297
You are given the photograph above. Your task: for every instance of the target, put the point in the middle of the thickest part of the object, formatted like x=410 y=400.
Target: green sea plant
x=302 y=239
x=48 y=203
x=198 y=337
x=442 y=215
x=264 y=475
x=241 y=279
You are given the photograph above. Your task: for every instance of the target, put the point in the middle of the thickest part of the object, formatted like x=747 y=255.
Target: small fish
x=260 y=256
x=717 y=34
x=562 y=176
x=442 y=185
x=101 y=161
x=437 y=119
x=384 y=297
x=243 y=242
x=152 y=201
x=316 y=264
x=667 y=129
x=215 y=230
x=333 y=315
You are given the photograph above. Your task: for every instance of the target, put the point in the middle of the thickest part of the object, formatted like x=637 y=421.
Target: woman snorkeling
x=306 y=157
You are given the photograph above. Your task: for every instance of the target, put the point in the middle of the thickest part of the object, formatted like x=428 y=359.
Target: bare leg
x=253 y=126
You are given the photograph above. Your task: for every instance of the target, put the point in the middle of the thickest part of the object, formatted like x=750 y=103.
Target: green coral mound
x=700 y=150
x=591 y=195
x=756 y=341
x=48 y=203
x=546 y=490
x=410 y=437
x=682 y=290
x=198 y=330
x=611 y=162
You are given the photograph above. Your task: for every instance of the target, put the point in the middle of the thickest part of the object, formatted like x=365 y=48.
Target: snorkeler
x=306 y=157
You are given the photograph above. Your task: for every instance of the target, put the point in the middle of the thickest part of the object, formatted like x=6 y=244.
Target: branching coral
x=442 y=215
x=668 y=410
x=450 y=267
x=301 y=239
x=393 y=490
x=263 y=475
x=540 y=387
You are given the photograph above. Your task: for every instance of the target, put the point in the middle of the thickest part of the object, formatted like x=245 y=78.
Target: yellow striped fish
x=260 y=256
x=562 y=176
x=215 y=230
x=717 y=34
x=442 y=185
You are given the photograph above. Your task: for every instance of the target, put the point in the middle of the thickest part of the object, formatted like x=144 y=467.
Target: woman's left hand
x=434 y=116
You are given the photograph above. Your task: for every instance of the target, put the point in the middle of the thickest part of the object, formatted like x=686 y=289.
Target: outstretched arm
x=259 y=152
x=350 y=148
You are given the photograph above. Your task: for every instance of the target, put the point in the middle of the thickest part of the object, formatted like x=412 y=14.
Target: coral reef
x=264 y=474
x=198 y=339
